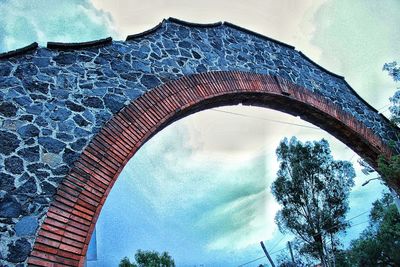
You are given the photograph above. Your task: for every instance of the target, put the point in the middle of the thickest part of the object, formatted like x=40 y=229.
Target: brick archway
x=65 y=233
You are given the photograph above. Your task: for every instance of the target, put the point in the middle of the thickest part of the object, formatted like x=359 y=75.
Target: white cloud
x=24 y=22
x=286 y=20
x=169 y=190
x=218 y=204
x=356 y=38
x=195 y=184
x=219 y=145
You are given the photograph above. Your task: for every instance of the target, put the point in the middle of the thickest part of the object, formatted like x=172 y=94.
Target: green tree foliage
x=149 y=259
x=393 y=69
x=284 y=260
x=313 y=190
x=390 y=168
x=125 y=262
x=379 y=244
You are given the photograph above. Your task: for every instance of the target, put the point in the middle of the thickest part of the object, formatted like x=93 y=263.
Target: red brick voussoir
x=64 y=236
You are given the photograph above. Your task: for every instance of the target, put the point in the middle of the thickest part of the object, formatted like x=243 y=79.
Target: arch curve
x=66 y=231
x=55 y=100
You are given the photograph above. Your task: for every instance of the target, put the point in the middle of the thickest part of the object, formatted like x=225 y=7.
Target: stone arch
x=73 y=114
x=65 y=234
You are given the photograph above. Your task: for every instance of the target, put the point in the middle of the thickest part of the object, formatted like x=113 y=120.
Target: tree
x=125 y=262
x=284 y=260
x=166 y=260
x=313 y=190
x=379 y=244
x=390 y=167
x=149 y=259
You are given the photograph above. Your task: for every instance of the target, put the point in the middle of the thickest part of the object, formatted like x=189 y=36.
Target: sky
x=200 y=188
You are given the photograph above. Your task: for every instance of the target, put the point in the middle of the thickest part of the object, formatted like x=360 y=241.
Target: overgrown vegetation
x=390 y=168
x=379 y=243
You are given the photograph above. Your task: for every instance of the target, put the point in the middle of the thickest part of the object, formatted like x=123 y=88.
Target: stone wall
x=54 y=100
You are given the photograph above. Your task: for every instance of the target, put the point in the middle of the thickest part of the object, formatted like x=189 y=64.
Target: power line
x=351 y=159
x=385 y=107
x=278 y=250
x=265 y=119
x=243 y=264
x=274 y=246
x=384 y=110
x=252 y=261
x=352 y=218
x=358 y=223
x=348 y=227
x=276 y=121
x=348 y=220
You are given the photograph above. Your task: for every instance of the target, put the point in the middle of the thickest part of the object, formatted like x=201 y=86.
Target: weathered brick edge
x=66 y=231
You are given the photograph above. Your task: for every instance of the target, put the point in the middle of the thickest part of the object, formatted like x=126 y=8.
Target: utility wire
x=274 y=246
x=278 y=250
x=243 y=264
x=251 y=261
x=284 y=248
x=274 y=252
x=265 y=119
x=384 y=110
x=352 y=218
x=276 y=121
x=298 y=125
x=385 y=107
x=358 y=224
x=348 y=220
x=352 y=157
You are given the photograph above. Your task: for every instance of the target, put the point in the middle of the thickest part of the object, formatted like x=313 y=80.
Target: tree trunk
x=322 y=258
x=333 y=252
x=318 y=240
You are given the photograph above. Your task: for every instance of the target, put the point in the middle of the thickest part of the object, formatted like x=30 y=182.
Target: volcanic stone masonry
x=54 y=100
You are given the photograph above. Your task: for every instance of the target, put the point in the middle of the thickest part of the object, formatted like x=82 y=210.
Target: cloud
x=168 y=189
x=186 y=193
x=23 y=22
x=208 y=191
x=356 y=38
x=200 y=183
x=285 y=20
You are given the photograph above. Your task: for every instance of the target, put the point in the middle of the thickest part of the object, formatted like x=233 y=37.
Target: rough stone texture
x=26 y=226
x=19 y=251
x=52 y=103
x=8 y=143
x=14 y=165
x=10 y=207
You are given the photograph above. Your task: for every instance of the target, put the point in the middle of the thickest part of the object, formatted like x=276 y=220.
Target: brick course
x=66 y=231
x=115 y=95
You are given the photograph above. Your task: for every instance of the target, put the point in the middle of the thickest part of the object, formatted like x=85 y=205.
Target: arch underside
x=55 y=100
x=65 y=234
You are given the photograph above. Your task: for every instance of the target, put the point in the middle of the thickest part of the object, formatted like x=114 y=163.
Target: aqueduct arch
x=74 y=114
